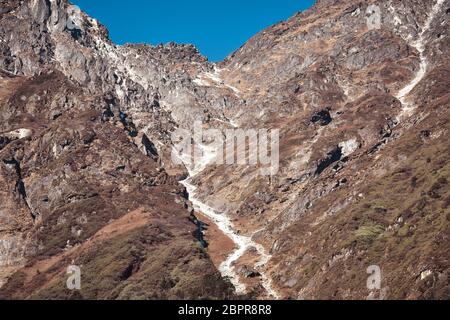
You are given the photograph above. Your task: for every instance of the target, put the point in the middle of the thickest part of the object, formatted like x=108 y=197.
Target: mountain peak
x=353 y=97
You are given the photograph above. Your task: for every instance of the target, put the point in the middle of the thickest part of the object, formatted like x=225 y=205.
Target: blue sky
x=216 y=27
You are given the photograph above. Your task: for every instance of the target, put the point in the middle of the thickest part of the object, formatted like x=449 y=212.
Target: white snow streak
x=223 y=222
x=19 y=134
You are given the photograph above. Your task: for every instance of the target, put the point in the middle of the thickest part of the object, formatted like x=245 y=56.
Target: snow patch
x=419 y=45
x=243 y=243
x=426 y=274
x=356 y=12
x=201 y=82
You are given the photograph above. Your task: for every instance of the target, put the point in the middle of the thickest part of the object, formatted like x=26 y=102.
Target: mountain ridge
x=333 y=88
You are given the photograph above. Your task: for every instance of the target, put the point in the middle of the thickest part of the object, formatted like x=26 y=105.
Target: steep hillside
x=82 y=182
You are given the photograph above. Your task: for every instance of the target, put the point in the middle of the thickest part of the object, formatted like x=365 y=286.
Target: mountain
x=89 y=179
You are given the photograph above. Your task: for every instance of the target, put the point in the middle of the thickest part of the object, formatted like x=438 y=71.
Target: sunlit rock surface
x=87 y=176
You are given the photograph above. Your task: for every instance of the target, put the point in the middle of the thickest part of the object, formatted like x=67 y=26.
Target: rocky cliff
x=88 y=178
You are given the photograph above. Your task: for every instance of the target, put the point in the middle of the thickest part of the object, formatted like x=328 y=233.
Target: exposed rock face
x=332 y=210
x=87 y=177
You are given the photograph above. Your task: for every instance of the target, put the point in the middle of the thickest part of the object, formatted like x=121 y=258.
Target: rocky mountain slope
x=88 y=178
x=82 y=181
